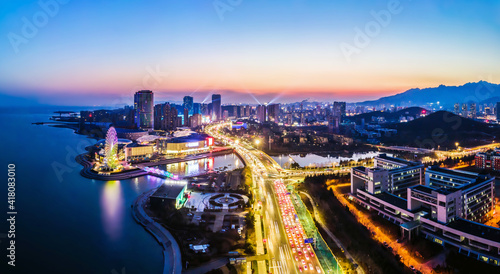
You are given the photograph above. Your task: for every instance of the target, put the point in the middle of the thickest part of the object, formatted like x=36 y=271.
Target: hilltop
x=389 y=116
x=443 y=128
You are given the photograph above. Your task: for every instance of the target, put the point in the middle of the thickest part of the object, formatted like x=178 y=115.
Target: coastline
x=88 y=173
x=172 y=258
x=172 y=261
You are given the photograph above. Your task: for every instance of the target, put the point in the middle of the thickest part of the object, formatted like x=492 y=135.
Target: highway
x=461 y=152
x=284 y=240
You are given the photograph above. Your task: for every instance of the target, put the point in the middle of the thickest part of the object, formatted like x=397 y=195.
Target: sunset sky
x=101 y=52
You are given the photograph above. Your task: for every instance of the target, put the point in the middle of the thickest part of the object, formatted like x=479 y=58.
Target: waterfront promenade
x=172 y=262
x=89 y=173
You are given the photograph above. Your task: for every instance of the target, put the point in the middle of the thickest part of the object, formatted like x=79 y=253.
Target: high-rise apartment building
x=339 y=109
x=186 y=117
x=261 y=113
x=273 y=112
x=196 y=108
x=195 y=120
x=143 y=107
x=188 y=104
x=472 y=111
x=165 y=117
x=216 y=107
x=464 y=110
x=497 y=111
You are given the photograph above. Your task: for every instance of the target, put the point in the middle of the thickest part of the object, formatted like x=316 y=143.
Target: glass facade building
x=143 y=106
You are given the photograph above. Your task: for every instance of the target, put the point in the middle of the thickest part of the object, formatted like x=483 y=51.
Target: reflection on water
x=112 y=209
x=91 y=229
x=201 y=166
x=314 y=159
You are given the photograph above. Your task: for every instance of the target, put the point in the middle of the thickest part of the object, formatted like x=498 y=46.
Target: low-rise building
x=137 y=153
x=191 y=144
x=460 y=194
x=488 y=160
x=130 y=134
x=389 y=174
x=446 y=210
x=171 y=194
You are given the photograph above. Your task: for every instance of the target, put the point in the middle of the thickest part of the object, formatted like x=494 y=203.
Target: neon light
x=193 y=144
x=111 y=148
x=210 y=141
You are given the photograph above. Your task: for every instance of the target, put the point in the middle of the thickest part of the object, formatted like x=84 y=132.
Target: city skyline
x=349 y=51
x=237 y=136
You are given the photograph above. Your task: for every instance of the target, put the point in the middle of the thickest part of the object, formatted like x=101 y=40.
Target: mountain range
x=479 y=92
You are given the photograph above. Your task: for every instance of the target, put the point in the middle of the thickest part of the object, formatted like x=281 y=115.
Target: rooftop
x=360 y=168
x=397 y=160
x=429 y=190
x=411 y=225
x=127 y=130
x=137 y=145
x=476 y=229
x=169 y=190
x=120 y=141
x=453 y=172
x=479 y=181
x=392 y=199
x=424 y=189
x=195 y=137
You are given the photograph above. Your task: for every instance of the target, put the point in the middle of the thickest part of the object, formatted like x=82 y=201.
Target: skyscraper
x=143 y=106
x=472 y=111
x=464 y=110
x=497 y=111
x=289 y=119
x=336 y=116
x=204 y=109
x=261 y=113
x=273 y=112
x=195 y=120
x=216 y=107
x=165 y=117
x=186 y=117
x=210 y=111
x=339 y=109
x=196 y=108
x=188 y=104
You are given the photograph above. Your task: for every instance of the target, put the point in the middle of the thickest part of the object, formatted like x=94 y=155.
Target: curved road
x=171 y=251
x=264 y=173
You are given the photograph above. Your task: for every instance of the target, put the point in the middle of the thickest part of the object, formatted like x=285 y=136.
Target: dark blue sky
x=290 y=50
